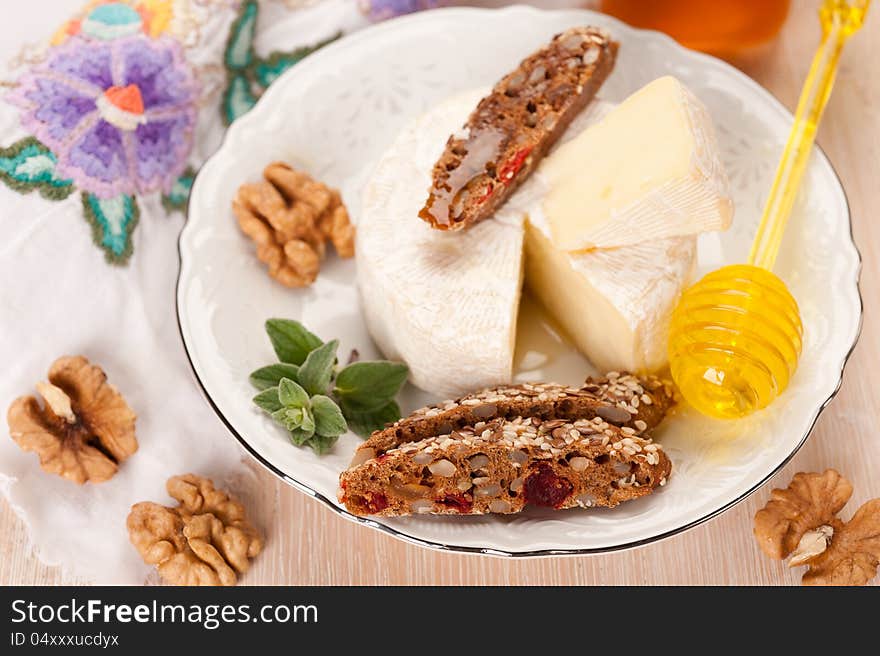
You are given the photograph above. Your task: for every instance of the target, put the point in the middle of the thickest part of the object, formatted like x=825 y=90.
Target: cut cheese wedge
x=648 y=170
x=614 y=305
x=447 y=303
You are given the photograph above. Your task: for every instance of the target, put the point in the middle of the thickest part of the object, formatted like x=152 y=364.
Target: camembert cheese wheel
x=447 y=303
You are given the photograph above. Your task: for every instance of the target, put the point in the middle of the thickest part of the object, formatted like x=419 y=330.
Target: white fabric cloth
x=58 y=296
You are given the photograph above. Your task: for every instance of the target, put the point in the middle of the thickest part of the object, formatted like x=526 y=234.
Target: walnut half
x=289 y=216
x=809 y=501
x=205 y=540
x=83 y=430
x=801 y=521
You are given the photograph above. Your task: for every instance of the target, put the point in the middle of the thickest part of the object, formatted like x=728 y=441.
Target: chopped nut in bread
x=515 y=126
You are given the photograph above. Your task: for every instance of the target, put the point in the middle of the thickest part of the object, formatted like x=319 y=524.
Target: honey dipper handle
x=840 y=20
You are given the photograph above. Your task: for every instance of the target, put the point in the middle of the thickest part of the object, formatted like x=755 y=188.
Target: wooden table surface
x=310 y=545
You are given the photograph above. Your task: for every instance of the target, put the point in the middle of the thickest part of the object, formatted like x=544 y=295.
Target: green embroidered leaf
x=113 y=220
x=292 y=395
x=328 y=417
x=291 y=340
x=247 y=74
x=268 y=400
x=316 y=372
x=270 y=376
x=267 y=70
x=364 y=422
x=176 y=199
x=322 y=444
x=240 y=45
x=240 y=95
x=238 y=99
x=28 y=165
x=370 y=385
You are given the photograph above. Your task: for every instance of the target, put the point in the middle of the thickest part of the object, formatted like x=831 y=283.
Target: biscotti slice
x=639 y=403
x=515 y=126
x=502 y=466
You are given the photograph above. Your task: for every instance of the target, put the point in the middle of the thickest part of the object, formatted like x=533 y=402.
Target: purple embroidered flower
x=377 y=10
x=119 y=115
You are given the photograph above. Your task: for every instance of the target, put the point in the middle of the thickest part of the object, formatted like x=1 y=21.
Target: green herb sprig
x=313 y=399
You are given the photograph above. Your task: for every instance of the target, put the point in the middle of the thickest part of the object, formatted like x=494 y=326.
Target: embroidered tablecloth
x=108 y=110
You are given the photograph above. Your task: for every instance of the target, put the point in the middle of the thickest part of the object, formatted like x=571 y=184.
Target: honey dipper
x=736 y=335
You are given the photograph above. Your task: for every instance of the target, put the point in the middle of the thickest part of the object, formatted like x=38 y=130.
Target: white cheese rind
x=444 y=303
x=651 y=169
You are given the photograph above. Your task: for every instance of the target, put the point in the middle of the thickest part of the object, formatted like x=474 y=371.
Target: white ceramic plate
x=336 y=112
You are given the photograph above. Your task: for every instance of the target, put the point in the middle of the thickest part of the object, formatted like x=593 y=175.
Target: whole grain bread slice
x=622 y=399
x=515 y=126
x=503 y=465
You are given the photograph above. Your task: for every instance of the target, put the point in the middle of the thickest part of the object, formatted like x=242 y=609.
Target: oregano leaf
x=291 y=340
x=268 y=400
x=300 y=437
x=270 y=376
x=369 y=385
x=291 y=394
x=328 y=417
x=364 y=422
x=322 y=444
x=316 y=372
x=307 y=423
x=290 y=418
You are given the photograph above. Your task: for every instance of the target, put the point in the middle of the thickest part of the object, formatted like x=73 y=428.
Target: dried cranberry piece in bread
x=620 y=398
x=504 y=465
x=515 y=126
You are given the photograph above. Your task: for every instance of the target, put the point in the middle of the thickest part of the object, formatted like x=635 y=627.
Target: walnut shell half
x=801 y=520
x=811 y=500
x=83 y=430
x=205 y=540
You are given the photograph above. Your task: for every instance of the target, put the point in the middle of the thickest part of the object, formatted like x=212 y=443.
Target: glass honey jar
x=725 y=28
